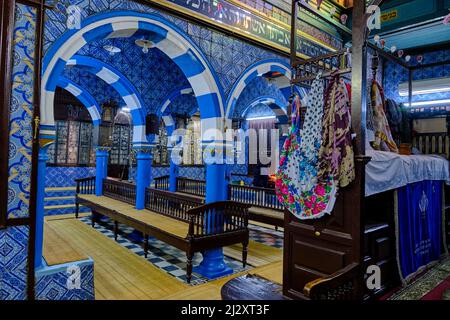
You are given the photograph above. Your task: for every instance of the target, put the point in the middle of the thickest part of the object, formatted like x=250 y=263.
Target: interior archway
x=279 y=72
x=124 y=87
x=164 y=35
x=85 y=98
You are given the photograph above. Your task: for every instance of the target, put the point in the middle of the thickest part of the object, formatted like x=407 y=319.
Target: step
x=61 y=189
x=371 y=227
x=59 y=193
x=59 y=198
x=56 y=201
x=64 y=209
x=60 y=206
x=59 y=203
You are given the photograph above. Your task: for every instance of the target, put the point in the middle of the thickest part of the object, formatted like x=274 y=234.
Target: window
x=192 y=148
x=160 y=153
x=120 y=149
x=73 y=144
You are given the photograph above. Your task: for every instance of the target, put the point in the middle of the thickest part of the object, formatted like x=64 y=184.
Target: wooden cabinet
x=359 y=231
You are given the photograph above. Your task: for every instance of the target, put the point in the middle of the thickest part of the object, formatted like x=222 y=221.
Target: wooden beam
x=359 y=76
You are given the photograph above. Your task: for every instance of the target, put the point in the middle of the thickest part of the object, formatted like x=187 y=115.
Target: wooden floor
x=122 y=275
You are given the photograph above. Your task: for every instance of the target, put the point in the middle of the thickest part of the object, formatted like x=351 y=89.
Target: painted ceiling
x=256 y=88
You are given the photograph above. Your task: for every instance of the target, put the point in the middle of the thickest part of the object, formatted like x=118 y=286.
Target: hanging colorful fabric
x=336 y=154
x=383 y=136
x=296 y=180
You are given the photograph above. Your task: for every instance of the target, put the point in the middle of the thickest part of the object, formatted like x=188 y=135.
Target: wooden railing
x=433 y=143
x=171 y=204
x=191 y=186
x=217 y=218
x=162 y=183
x=342 y=285
x=120 y=190
x=85 y=185
x=256 y=196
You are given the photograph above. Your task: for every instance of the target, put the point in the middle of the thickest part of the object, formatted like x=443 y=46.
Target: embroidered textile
x=296 y=180
x=336 y=154
x=383 y=136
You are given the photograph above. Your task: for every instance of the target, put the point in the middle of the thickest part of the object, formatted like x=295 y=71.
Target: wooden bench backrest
x=120 y=190
x=218 y=218
x=171 y=204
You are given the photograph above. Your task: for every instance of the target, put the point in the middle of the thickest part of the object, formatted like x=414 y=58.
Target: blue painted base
x=213 y=265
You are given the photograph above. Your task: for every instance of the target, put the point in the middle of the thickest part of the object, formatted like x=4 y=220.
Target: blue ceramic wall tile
x=395 y=74
x=65 y=176
x=54 y=285
x=21 y=112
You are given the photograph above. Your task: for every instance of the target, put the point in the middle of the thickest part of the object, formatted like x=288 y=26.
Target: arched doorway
x=183 y=52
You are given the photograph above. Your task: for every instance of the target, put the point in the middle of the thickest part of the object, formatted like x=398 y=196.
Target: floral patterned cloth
x=296 y=180
x=383 y=136
x=311 y=137
x=336 y=154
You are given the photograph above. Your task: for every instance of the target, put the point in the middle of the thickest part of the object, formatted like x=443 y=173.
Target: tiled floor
x=266 y=236
x=172 y=260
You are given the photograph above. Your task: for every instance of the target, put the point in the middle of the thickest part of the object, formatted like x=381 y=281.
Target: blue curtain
x=419 y=225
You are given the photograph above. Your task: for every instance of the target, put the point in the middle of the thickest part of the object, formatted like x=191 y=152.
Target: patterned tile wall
x=13 y=263
x=256 y=88
x=395 y=74
x=54 y=285
x=21 y=112
x=65 y=176
x=197 y=173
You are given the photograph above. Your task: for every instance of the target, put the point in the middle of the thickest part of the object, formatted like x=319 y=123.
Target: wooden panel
x=318 y=248
x=313 y=256
x=383 y=248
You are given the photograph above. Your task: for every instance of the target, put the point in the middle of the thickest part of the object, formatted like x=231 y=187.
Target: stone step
x=64 y=209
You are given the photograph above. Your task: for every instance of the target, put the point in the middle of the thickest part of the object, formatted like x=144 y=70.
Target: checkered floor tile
x=165 y=257
x=269 y=237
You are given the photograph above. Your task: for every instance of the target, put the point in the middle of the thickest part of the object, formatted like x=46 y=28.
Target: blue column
x=173 y=175
x=101 y=172
x=213 y=265
x=173 y=171
x=144 y=175
x=40 y=211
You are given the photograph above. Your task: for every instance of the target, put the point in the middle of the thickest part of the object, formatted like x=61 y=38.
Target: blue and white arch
x=166 y=37
x=84 y=97
x=279 y=69
x=169 y=122
x=276 y=105
x=128 y=92
x=185 y=53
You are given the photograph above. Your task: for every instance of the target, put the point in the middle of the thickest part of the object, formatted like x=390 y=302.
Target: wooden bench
x=265 y=207
x=178 y=220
